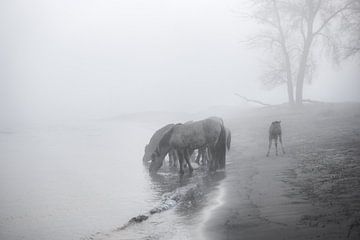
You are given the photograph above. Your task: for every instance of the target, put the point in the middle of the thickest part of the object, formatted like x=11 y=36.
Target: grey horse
x=275 y=134
x=208 y=133
x=154 y=142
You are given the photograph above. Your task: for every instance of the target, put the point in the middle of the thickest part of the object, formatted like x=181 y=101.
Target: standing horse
x=151 y=147
x=208 y=133
x=274 y=134
x=203 y=153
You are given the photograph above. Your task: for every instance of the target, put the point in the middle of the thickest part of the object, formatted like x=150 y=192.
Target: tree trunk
x=289 y=83
x=301 y=72
x=290 y=88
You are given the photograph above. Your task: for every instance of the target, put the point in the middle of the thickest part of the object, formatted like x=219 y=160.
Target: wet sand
x=311 y=192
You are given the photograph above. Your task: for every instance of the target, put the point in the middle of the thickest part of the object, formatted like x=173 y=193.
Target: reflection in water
x=89 y=178
x=179 y=210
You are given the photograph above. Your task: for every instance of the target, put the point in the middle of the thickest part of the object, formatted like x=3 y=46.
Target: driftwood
x=253 y=100
x=270 y=105
x=311 y=101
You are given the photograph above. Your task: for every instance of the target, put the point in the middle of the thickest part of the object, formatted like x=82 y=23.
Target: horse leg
x=185 y=156
x=192 y=155
x=276 y=139
x=282 y=148
x=174 y=158
x=212 y=165
x=202 y=154
x=209 y=160
x=171 y=159
x=187 y=159
x=206 y=157
x=270 y=142
x=197 y=160
x=181 y=161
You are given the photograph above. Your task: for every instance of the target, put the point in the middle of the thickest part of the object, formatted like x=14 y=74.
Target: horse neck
x=164 y=150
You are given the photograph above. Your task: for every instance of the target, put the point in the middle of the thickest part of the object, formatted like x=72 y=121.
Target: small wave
x=169 y=200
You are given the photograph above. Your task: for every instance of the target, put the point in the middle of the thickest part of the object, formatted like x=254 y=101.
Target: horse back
x=196 y=134
x=274 y=130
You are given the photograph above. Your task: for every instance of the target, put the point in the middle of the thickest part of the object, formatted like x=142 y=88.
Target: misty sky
x=77 y=58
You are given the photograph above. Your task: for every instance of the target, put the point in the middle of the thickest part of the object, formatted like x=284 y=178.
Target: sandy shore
x=311 y=192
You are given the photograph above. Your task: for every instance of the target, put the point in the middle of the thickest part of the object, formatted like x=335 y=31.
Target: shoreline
x=288 y=197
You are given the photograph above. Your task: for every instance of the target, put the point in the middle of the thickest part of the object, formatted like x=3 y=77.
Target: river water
x=87 y=180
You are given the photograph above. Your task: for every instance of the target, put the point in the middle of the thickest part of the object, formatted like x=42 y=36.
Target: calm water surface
x=83 y=181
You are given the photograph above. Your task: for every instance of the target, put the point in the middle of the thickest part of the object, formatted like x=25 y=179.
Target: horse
x=208 y=133
x=154 y=142
x=150 y=148
x=203 y=152
x=274 y=134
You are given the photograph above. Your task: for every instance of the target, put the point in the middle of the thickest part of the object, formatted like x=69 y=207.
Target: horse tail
x=220 y=147
x=228 y=139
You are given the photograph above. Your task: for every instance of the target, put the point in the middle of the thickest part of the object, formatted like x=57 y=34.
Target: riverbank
x=311 y=192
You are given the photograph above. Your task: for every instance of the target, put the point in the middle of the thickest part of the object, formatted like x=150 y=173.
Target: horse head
x=162 y=148
x=147 y=155
x=154 y=142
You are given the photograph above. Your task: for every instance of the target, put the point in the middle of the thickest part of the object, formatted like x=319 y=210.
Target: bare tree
x=296 y=32
x=351 y=23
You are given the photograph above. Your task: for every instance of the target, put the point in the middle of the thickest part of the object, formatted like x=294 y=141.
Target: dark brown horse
x=203 y=155
x=209 y=133
x=151 y=147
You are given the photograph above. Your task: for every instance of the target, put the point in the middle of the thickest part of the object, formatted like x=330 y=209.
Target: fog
x=85 y=84
x=93 y=59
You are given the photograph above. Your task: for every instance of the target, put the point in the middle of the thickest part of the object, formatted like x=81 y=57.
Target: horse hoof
x=181 y=172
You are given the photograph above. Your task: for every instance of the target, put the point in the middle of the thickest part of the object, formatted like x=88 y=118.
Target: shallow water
x=82 y=181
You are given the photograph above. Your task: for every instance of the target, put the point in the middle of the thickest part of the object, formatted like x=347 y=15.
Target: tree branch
x=262 y=19
x=332 y=16
x=252 y=100
x=311 y=101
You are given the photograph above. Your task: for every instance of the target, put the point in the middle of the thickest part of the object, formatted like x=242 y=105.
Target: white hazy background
x=89 y=59
x=71 y=69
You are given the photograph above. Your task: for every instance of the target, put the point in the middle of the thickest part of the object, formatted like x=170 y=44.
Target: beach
x=310 y=192
x=88 y=181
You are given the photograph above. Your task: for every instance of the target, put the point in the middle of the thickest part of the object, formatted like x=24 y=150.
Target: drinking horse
x=208 y=133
